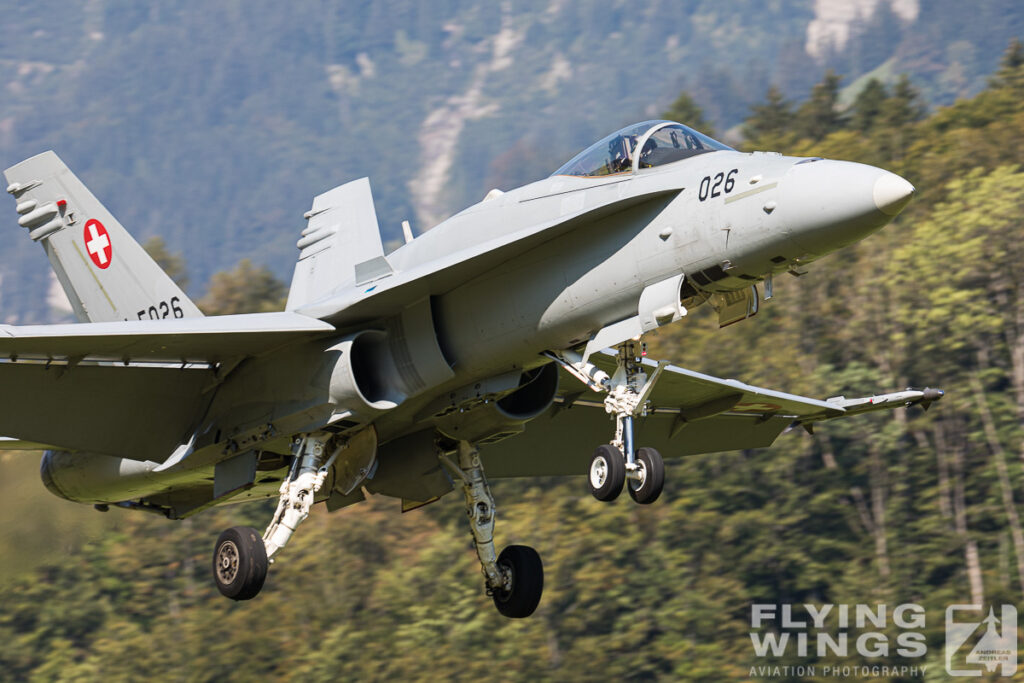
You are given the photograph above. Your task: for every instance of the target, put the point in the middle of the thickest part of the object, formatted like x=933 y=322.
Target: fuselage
x=767 y=215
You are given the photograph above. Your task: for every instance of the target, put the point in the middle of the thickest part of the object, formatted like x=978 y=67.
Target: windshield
x=663 y=142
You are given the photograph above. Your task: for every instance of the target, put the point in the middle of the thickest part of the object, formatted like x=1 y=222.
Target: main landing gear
x=614 y=465
x=242 y=557
x=515 y=578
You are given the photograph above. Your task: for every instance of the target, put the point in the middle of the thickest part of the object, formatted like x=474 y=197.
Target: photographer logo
x=977 y=644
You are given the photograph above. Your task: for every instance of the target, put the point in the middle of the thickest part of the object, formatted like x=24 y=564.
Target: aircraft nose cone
x=826 y=205
x=892 y=193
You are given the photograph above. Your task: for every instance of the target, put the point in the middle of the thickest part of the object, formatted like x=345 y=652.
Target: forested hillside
x=912 y=506
x=214 y=124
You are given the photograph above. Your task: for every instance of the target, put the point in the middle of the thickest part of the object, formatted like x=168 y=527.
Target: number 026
x=721 y=183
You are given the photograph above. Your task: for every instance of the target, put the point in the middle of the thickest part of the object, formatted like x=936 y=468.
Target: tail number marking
x=162 y=310
x=97 y=243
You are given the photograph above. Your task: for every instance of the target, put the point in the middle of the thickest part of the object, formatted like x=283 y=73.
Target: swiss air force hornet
x=506 y=340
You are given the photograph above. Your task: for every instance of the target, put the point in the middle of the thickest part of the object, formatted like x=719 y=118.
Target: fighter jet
x=507 y=340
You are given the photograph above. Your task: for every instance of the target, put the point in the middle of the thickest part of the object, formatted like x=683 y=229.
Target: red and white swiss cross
x=97 y=243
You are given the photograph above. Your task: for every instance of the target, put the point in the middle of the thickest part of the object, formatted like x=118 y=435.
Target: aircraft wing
x=210 y=340
x=142 y=411
x=689 y=413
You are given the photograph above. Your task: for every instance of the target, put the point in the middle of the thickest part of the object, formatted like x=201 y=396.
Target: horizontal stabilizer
x=210 y=339
x=140 y=413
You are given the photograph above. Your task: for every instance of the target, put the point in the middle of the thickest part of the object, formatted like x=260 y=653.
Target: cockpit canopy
x=659 y=142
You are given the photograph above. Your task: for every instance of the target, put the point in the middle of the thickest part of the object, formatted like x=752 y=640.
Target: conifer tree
x=904 y=106
x=172 y=264
x=1010 y=73
x=771 y=120
x=819 y=115
x=686 y=111
x=868 y=105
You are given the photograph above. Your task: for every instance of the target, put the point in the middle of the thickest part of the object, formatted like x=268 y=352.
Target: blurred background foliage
x=911 y=506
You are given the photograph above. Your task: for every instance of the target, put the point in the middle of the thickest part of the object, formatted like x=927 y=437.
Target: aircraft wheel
x=526 y=573
x=651 y=469
x=607 y=473
x=240 y=563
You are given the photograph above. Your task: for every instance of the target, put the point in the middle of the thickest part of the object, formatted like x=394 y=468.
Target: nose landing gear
x=607 y=473
x=618 y=463
x=648 y=478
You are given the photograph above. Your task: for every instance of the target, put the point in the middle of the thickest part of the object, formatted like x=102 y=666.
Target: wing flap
x=141 y=413
x=212 y=339
x=9 y=444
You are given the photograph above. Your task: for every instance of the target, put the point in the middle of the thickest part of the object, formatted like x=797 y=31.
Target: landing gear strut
x=620 y=462
x=241 y=557
x=514 y=579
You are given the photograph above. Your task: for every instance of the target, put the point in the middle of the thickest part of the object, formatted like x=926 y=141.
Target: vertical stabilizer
x=340 y=247
x=106 y=274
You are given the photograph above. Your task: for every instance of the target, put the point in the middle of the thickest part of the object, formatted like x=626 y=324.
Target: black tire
x=607 y=473
x=652 y=469
x=240 y=563
x=527 y=573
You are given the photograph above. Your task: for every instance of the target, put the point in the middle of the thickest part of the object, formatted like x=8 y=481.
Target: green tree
x=896 y=130
x=867 y=108
x=819 y=115
x=770 y=122
x=1011 y=67
x=965 y=263
x=245 y=289
x=903 y=107
x=686 y=111
x=172 y=264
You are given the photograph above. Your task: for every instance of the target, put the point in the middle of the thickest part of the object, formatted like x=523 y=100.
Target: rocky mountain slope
x=214 y=125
